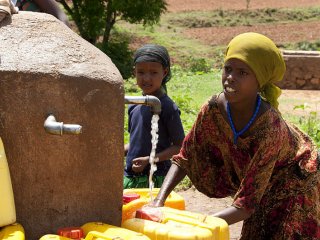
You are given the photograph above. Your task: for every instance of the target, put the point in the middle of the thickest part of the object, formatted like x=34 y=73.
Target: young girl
x=152 y=71
x=241 y=146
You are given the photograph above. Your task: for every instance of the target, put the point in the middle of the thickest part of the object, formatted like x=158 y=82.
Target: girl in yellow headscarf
x=241 y=146
x=263 y=58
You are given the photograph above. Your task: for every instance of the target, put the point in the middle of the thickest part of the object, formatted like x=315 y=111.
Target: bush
x=198 y=65
x=305 y=46
x=309 y=46
x=310 y=124
x=120 y=55
x=131 y=87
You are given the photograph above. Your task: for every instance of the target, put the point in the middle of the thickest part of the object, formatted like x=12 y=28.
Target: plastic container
x=94 y=235
x=129 y=197
x=7 y=207
x=71 y=232
x=53 y=237
x=177 y=225
x=129 y=209
x=99 y=229
x=12 y=232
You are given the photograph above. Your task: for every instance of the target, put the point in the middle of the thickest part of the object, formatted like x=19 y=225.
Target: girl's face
x=239 y=81
x=149 y=76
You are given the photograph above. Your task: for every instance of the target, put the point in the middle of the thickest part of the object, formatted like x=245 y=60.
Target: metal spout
x=148 y=100
x=58 y=128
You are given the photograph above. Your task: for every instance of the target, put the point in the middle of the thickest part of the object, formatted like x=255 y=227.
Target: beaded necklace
x=237 y=134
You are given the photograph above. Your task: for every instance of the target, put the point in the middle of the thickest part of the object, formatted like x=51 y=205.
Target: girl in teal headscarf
x=241 y=146
x=152 y=72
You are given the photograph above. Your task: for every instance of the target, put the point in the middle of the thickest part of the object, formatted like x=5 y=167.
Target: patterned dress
x=272 y=173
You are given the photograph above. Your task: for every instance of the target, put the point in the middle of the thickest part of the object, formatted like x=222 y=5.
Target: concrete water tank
x=60 y=180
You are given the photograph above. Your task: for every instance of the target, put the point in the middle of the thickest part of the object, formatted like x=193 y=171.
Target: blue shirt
x=170 y=130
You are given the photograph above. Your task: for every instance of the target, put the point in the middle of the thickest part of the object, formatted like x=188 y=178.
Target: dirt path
x=279 y=33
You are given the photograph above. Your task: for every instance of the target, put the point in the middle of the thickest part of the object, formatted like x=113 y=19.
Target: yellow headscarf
x=265 y=60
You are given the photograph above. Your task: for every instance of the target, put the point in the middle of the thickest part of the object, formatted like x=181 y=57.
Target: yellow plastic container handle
x=12 y=232
x=94 y=235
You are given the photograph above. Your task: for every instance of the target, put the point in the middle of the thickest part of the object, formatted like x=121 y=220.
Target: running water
x=152 y=159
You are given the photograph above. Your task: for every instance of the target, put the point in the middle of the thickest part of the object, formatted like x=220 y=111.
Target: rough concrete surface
x=68 y=180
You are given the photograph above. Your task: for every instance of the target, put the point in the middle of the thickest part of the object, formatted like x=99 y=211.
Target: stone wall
x=60 y=181
x=303 y=70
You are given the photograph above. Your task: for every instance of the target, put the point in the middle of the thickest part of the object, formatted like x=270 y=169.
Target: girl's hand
x=138 y=164
x=150 y=213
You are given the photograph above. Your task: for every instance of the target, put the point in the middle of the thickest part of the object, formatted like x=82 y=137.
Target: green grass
x=191 y=90
x=306 y=46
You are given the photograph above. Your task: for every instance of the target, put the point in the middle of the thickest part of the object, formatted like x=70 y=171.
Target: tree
x=95 y=18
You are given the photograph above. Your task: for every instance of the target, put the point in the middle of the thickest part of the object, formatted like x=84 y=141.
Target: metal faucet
x=58 y=128
x=148 y=100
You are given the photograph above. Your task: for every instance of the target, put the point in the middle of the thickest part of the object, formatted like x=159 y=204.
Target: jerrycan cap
x=129 y=197
x=71 y=232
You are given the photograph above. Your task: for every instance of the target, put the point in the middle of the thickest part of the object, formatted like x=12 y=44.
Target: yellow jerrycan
x=95 y=231
x=136 y=198
x=53 y=237
x=12 y=232
x=174 y=224
x=98 y=230
x=7 y=207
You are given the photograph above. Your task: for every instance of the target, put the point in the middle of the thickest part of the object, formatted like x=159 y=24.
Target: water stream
x=152 y=159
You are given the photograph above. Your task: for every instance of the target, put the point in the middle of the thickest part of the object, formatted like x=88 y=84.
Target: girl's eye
x=243 y=73
x=227 y=69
